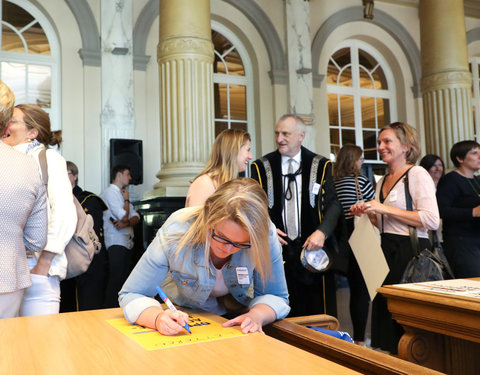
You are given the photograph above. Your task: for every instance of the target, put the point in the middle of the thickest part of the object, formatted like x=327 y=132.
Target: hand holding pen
x=170 y=322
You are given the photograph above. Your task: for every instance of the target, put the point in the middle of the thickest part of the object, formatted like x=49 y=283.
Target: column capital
x=447 y=79
x=170 y=48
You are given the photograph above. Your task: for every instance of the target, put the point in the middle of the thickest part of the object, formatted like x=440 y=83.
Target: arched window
x=29 y=57
x=232 y=79
x=361 y=97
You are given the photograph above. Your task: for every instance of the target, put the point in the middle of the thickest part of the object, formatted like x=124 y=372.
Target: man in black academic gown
x=303 y=206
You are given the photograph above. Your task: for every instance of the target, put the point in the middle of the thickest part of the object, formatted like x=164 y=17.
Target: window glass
x=23 y=39
x=230 y=85
x=360 y=97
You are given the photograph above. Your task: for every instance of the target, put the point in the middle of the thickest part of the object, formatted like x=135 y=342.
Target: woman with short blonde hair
x=398 y=147
x=208 y=257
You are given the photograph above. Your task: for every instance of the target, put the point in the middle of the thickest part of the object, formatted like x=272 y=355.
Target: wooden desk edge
x=355 y=357
x=429 y=297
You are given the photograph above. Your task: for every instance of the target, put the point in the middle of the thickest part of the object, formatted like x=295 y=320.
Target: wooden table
x=85 y=343
x=441 y=331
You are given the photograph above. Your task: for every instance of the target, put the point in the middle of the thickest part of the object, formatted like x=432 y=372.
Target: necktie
x=290 y=204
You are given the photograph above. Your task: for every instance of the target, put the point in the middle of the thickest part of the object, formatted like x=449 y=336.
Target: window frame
x=357 y=92
x=246 y=80
x=52 y=60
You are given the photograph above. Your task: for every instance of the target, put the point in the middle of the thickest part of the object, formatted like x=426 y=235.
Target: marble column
x=300 y=84
x=117 y=115
x=446 y=79
x=185 y=60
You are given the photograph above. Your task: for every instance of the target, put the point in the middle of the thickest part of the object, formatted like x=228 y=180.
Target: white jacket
x=62 y=215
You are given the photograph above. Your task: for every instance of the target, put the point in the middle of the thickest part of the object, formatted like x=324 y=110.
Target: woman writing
x=229 y=157
x=29 y=132
x=203 y=255
x=398 y=147
x=458 y=197
x=351 y=187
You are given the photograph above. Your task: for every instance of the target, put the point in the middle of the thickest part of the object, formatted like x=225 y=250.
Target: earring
x=29 y=140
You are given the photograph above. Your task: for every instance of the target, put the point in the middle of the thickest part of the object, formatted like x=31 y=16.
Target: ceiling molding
x=471 y=7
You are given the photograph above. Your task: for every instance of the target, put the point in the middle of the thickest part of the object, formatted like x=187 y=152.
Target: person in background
x=352 y=187
x=29 y=132
x=399 y=148
x=23 y=213
x=229 y=156
x=303 y=206
x=458 y=196
x=87 y=291
x=205 y=255
x=434 y=165
x=118 y=223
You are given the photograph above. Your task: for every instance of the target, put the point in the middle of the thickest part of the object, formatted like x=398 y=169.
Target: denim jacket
x=188 y=280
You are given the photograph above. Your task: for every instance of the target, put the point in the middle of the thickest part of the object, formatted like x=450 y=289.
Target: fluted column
x=446 y=79
x=185 y=59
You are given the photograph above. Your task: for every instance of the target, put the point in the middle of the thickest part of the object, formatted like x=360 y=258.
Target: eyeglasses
x=241 y=246
x=12 y=121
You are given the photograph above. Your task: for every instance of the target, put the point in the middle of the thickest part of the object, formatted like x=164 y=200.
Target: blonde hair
x=345 y=164
x=36 y=118
x=408 y=137
x=243 y=201
x=7 y=101
x=222 y=166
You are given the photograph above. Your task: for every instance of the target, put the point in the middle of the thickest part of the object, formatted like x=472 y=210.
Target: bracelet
x=126 y=200
x=155 y=323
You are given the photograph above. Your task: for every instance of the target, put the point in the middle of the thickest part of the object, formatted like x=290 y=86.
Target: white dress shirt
x=113 y=197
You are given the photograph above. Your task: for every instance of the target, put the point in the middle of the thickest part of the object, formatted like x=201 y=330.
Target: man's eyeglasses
x=241 y=246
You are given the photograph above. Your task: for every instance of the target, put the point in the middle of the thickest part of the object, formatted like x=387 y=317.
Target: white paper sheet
x=457 y=287
x=368 y=252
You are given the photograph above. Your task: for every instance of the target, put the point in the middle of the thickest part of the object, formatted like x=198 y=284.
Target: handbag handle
x=358 y=190
x=411 y=229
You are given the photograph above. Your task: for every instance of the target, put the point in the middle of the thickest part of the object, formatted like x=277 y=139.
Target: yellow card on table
x=203 y=329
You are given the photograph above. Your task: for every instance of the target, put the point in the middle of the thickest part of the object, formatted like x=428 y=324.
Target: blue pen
x=170 y=305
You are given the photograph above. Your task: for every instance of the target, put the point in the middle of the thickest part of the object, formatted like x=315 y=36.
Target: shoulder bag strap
x=411 y=229
x=42 y=159
x=358 y=190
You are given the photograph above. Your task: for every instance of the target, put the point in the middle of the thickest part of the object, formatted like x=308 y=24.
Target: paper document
x=368 y=252
x=457 y=287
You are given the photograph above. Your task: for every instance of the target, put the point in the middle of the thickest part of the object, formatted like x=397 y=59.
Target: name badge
x=242 y=276
x=393 y=196
x=316 y=188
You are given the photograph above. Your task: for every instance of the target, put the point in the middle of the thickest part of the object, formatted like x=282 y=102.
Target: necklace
x=475 y=186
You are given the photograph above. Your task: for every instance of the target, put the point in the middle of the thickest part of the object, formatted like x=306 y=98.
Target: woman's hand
x=370 y=207
x=170 y=322
x=253 y=320
x=43 y=264
x=247 y=322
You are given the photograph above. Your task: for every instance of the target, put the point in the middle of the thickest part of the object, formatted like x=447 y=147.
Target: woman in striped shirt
x=351 y=187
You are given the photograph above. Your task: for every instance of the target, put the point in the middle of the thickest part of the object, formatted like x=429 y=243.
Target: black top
x=325 y=202
x=93 y=205
x=347 y=192
x=457 y=196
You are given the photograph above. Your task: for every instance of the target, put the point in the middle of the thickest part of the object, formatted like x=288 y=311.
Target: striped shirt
x=347 y=195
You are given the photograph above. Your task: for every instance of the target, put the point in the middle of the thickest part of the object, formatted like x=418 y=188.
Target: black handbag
x=426 y=265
